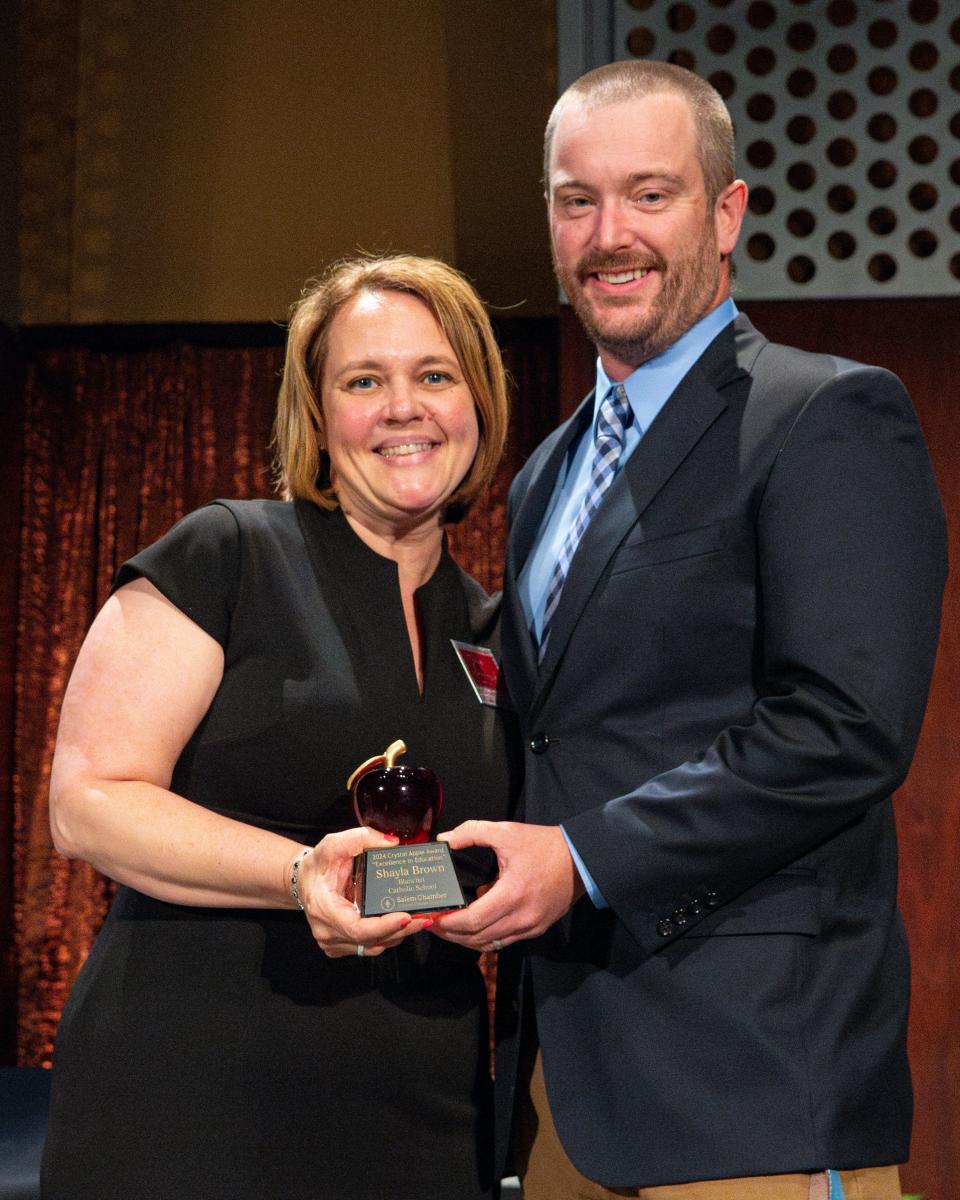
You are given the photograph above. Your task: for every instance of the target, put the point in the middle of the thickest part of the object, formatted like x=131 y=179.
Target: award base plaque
x=417 y=876
x=414 y=879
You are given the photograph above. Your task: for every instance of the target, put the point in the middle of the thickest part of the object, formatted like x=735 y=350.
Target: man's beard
x=687 y=289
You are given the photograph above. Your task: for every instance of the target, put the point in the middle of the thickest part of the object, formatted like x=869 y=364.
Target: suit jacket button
x=695 y=908
x=679 y=917
x=665 y=928
x=711 y=899
x=539 y=743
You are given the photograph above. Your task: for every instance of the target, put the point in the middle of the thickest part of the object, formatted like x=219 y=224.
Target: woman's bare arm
x=143 y=680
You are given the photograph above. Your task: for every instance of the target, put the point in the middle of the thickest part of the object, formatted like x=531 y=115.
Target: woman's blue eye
x=364 y=383
x=436 y=377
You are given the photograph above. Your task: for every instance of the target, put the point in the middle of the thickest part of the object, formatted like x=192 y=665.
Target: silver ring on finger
x=361 y=950
x=497 y=944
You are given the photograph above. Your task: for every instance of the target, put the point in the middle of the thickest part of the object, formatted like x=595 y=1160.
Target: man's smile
x=620 y=276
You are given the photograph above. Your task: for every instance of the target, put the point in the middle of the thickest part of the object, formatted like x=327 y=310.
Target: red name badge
x=482 y=670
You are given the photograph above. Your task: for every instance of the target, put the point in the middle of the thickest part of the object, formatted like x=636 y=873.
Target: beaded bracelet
x=295 y=875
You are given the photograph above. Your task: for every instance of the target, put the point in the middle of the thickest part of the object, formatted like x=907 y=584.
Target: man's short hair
x=619 y=81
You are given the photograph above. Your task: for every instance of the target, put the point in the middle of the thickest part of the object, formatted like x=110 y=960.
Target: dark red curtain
x=107 y=447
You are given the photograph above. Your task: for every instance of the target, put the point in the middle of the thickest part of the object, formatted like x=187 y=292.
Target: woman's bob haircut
x=302 y=467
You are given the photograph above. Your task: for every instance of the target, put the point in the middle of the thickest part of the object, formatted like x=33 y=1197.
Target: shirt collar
x=653 y=382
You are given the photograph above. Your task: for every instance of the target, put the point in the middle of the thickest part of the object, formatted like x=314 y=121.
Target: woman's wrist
x=294 y=875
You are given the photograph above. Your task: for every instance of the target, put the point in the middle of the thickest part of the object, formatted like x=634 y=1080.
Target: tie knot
x=614 y=416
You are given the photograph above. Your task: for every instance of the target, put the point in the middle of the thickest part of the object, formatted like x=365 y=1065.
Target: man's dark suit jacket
x=733 y=687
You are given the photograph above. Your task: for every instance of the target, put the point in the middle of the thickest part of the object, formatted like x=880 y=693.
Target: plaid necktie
x=615 y=415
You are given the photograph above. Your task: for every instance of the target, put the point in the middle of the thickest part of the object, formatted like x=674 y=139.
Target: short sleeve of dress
x=196 y=566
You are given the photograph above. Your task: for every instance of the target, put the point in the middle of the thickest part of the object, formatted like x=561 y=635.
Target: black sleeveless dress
x=218 y=1053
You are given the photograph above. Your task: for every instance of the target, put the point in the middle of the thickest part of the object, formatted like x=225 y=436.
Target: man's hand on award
x=324 y=887
x=537 y=883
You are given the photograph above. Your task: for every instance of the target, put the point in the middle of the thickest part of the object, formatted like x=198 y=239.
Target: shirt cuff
x=592 y=890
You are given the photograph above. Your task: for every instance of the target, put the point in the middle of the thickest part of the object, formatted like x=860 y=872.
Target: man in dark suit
x=721 y=611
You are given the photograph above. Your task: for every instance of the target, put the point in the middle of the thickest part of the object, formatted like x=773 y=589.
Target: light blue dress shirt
x=648 y=389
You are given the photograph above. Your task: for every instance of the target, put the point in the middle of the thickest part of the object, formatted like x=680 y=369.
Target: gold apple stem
x=393 y=752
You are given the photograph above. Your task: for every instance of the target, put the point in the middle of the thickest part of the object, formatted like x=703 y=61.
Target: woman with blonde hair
x=220 y=1042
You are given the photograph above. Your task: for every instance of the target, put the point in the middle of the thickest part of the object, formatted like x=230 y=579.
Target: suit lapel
x=682 y=421
x=519 y=652
x=695 y=404
x=539 y=488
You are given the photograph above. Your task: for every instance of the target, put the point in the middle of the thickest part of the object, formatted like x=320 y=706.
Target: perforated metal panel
x=847 y=115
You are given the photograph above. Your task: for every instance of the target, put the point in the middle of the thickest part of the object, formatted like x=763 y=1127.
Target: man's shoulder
x=550 y=443
x=780 y=365
x=782 y=383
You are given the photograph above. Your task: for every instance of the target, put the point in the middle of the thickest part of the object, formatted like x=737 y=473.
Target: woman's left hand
x=325 y=885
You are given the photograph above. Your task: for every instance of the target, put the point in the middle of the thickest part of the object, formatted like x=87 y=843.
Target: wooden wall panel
x=920 y=341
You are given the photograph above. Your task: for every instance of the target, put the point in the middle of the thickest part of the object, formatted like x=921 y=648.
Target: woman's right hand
x=325 y=885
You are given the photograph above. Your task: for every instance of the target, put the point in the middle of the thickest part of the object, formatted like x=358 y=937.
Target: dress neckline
x=364 y=565
x=363 y=586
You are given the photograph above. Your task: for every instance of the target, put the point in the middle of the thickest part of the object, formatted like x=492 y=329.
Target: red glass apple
x=399 y=800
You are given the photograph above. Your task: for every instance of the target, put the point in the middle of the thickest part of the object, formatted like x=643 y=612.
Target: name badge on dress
x=483 y=671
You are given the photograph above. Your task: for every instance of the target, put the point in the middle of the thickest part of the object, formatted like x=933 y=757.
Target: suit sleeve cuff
x=592 y=890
